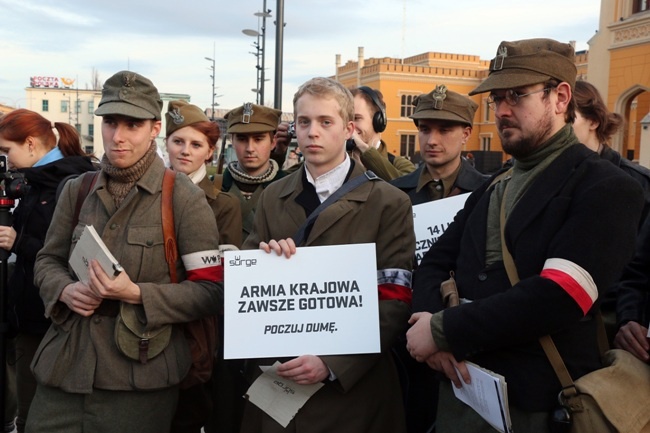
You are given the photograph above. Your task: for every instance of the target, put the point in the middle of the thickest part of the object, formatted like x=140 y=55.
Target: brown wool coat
x=366 y=395
x=226 y=211
x=79 y=353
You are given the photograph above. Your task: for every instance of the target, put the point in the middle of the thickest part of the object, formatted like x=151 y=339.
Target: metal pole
x=263 y=52
x=214 y=93
x=279 y=42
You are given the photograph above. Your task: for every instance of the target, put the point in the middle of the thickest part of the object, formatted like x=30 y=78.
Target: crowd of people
x=538 y=249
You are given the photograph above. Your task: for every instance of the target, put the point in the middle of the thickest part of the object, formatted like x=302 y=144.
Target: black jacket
x=467 y=181
x=580 y=209
x=31 y=220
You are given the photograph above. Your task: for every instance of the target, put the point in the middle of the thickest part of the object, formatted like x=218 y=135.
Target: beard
x=528 y=141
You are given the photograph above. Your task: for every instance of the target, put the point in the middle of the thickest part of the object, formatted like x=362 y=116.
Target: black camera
x=13 y=184
x=291 y=131
x=350 y=145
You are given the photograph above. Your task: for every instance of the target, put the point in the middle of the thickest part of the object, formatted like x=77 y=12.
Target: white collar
x=199 y=174
x=326 y=184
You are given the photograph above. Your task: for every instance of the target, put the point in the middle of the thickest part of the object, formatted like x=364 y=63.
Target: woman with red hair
x=32 y=150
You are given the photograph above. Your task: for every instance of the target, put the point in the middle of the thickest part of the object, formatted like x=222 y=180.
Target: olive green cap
x=527 y=62
x=250 y=118
x=443 y=104
x=130 y=94
x=181 y=114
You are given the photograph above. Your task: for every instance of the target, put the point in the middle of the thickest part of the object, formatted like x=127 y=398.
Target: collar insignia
x=248 y=112
x=439 y=95
x=176 y=116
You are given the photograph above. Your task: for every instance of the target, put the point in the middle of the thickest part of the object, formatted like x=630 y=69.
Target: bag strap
x=88 y=181
x=348 y=186
x=169 y=232
x=546 y=341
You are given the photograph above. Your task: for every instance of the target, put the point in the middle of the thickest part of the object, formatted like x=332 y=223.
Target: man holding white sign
x=444 y=120
x=360 y=392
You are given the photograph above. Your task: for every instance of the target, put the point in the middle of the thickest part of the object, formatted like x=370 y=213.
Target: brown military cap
x=527 y=62
x=181 y=114
x=444 y=104
x=251 y=118
x=130 y=94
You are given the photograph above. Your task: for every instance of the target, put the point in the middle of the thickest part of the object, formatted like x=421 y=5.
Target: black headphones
x=379 y=118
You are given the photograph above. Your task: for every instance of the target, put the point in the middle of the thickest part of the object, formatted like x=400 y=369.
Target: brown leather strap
x=88 y=180
x=169 y=232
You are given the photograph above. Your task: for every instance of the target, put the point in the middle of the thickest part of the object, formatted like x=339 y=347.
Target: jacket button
x=482 y=276
x=149 y=243
x=114 y=226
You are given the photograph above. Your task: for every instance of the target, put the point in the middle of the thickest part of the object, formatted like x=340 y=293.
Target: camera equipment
x=291 y=131
x=350 y=145
x=13 y=184
x=6 y=203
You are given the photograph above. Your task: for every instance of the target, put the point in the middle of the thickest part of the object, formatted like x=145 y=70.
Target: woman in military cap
x=191 y=141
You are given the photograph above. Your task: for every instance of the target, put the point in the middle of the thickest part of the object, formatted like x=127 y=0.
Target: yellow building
x=619 y=66
x=401 y=80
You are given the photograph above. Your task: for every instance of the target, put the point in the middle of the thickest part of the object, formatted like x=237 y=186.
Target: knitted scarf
x=121 y=180
x=241 y=176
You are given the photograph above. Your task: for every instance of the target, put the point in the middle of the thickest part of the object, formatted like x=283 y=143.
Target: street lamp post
x=279 y=43
x=214 y=94
x=260 y=33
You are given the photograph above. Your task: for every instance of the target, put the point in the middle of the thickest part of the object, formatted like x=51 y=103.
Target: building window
x=88 y=149
x=486 y=142
x=407 y=145
x=91 y=129
x=91 y=107
x=64 y=106
x=486 y=110
x=407 y=105
x=78 y=127
x=640 y=6
x=78 y=106
x=46 y=105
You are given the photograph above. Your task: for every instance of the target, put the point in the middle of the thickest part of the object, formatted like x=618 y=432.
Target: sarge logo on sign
x=237 y=261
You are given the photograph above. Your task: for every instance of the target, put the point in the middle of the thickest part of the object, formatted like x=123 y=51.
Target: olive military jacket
x=366 y=395
x=79 y=353
x=226 y=211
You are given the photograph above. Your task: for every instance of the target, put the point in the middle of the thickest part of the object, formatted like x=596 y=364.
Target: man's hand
x=281 y=139
x=420 y=343
x=446 y=363
x=634 y=338
x=80 y=298
x=121 y=288
x=304 y=370
x=7 y=237
x=361 y=145
x=286 y=247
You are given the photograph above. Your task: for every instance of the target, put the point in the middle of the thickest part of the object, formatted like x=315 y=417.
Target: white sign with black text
x=321 y=301
x=431 y=219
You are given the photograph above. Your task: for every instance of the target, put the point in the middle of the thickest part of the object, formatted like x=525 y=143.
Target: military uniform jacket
x=226 y=211
x=78 y=353
x=581 y=209
x=468 y=180
x=248 y=205
x=387 y=168
x=366 y=395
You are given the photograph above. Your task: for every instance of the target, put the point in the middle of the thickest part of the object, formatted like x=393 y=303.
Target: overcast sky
x=168 y=40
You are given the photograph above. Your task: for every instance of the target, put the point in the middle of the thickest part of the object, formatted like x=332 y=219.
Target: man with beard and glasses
x=560 y=202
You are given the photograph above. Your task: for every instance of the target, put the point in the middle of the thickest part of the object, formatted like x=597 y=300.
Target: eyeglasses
x=511 y=97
